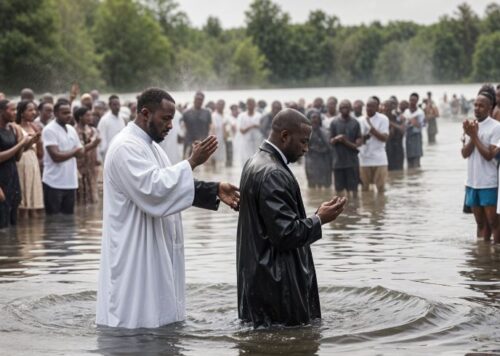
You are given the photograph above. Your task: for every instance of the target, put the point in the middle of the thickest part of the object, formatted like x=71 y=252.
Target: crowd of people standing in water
x=52 y=150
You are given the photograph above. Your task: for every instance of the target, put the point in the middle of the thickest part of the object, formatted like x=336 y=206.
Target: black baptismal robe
x=276 y=276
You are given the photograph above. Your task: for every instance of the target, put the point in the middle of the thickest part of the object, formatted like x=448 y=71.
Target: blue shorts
x=481 y=197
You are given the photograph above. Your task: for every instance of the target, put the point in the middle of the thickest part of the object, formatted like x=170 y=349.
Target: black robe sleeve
x=284 y=227
x=205 y=195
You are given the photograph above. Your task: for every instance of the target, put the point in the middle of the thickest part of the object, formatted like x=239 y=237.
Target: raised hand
x=202 y=151
x=330 y=210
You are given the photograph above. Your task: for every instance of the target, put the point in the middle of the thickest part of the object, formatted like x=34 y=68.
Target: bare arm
x=61 y=156
x=16 y=151
x=379 y=135
x=488 y=152
x=467 y=149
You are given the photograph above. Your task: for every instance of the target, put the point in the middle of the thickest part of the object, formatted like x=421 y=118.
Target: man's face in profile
x=160 y=121
x=297 y=143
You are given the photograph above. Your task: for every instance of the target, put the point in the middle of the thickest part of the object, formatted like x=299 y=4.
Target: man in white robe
x=141 y=277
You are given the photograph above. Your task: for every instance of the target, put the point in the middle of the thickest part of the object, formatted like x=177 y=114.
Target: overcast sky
x=231 y=12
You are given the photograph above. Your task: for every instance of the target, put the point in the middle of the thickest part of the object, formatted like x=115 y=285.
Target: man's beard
x=154 y=133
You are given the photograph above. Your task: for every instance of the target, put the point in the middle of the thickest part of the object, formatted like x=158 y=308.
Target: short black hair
x=113 y=97
x=59 y=103
x=289 y=119
x=376 y=98
x=3 y=104
x=42 y=104
x=79 y=112
x=488 y=91
x=415 y=95
x=151 y=99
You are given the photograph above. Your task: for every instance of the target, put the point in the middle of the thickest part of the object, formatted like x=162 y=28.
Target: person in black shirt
x=197 y=122
x=345 y=133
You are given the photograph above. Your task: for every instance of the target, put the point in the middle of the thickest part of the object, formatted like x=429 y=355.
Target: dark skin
x=27 y=124
x=114 y=106
x=158 y=123
x=345 y=114
x=371 y=109
x=63 y=117
x=413 y=107
x=496 y=110
x=389 y=106
x=293 y=141
x=7 y=118
x=46 y=113
x=485 y=216
x=86 y=120
x=198 y=101
x=251 y=110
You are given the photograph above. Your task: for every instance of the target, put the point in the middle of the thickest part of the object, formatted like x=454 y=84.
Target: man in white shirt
x=372 y=156
x=110 y=125
x=481 y=187
x=141 y=275
x=61 y=147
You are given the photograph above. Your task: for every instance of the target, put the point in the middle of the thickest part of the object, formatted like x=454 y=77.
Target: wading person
x=61 y=148
x=275 y=270
x=141 y=275
x=197 y=122
x=251 y=136
x=110 y=125
x=394 y=146
x=28 y=166
x=431 y=114
x=372 y=156
x=318 y=157
x=415 y=119
x=87 y=163
x=482 y=136
x=345 y=137
x=12 y=145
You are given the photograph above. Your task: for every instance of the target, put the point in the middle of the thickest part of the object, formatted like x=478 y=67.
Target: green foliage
x=78 y=61
x=491 y=22
x=131 y=44
x=28 y=44
x=269 y=29
x=247 y=65
x=486 y=68
x=134 y=51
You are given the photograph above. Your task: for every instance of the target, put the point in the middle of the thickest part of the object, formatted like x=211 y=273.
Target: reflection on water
x=397 y=272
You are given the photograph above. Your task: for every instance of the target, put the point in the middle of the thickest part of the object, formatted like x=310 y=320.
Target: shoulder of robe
x=125 y=147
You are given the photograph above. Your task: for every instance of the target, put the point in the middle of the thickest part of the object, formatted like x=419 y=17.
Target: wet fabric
x=142 y=273
x=394 y=146
x=318 y=159
x=9 y=181
x=343 y=156
x=275 y=269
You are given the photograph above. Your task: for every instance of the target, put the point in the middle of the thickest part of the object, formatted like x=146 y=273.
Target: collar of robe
x=271 y=148
x=140 y=132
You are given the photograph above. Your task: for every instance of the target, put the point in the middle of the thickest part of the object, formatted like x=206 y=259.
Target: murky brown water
x=399 y=274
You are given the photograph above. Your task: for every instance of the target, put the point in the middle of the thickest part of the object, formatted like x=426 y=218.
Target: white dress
x=141 y=276
x=250 y=140
x=219 y=128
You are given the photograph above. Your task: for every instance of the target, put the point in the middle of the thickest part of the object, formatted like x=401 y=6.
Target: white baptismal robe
x=142 y=276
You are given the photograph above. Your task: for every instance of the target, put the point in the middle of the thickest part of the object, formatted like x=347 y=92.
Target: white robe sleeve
x=156 y=191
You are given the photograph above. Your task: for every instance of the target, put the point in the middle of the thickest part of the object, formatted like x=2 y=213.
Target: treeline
x=125 y=45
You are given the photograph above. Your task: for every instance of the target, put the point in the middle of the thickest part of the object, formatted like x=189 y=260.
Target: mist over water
x=399 y=274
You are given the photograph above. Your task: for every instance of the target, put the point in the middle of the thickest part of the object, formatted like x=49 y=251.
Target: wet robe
x=275 y=270
x=141 y=276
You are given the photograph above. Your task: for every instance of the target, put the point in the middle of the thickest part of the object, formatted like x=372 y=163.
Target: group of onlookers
x=51 y=151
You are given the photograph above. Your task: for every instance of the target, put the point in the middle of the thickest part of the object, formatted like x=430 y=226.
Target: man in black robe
x=276 y=277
